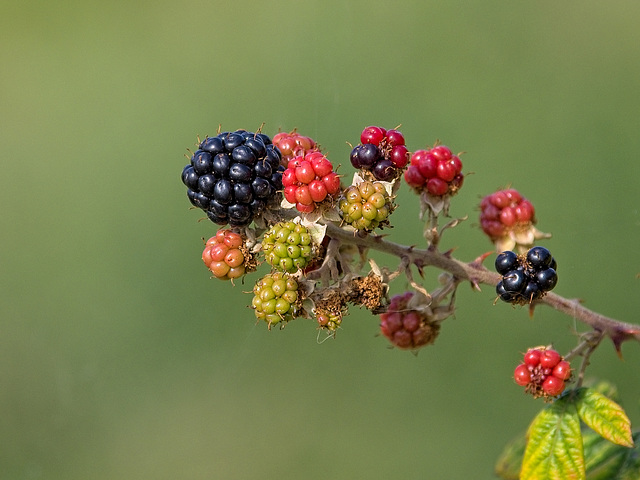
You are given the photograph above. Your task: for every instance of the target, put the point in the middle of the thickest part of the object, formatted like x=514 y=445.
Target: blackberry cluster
x=526 y=277
x=234 y=176
x=365 y=206
x=406 y=328
x=276 y=298
x=543 y=372
x=382 y=153
x=287 y=246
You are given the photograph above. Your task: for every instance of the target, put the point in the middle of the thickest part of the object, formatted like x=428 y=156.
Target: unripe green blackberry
x=287 y=246
x=365 y=206
x=328 y=320
x=276 y=298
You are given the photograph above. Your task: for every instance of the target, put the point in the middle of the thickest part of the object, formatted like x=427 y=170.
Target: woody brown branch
x=477 y=274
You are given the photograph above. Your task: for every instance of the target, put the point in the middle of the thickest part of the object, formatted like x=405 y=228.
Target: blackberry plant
x=287 y=210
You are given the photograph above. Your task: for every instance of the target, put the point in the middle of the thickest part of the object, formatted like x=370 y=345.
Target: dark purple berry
x=239 y=173
x=539 y=258
x=206 y=184
x=242 y=192
x=256 y=145
x=190 y=177
x=514 y=281
x=239 y=214
x=244 y=154
x=223 y=191
x=364 y=156
x=547 y=279
x=213 y=145
x=198 y=199
x=384 y=170
x=216 y=219
x=221 y=164
x=265 y=138
x=504 y=294
x=262 y=188
x=273 y=156
x=232 y=141
x=263 y=169
x=531 y=291
x=506 y=261
x=219 y=209
x=201 y=162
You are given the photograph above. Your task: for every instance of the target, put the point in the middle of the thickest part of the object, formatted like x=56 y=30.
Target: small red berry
x=437 y=187
x=321 y=166
x=441 y=152
x=290 y=193
x=413 y=178
x=446 y=170
x=553 y=386
x=532 y=357
x=522 y=375
x=399 y=156
x=562 y=370
x=428 y=165
x=549 y=358
x=317 y=190
x=372 y=135
x=303 y=195
x=301 y=207
x=305 y=172
x=289 y=177
x=332 y=183
x=395 y=137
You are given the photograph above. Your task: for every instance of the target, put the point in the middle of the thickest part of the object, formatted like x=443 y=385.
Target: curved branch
x=476 y=273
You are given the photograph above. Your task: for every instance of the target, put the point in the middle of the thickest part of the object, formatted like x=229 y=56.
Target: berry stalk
x=477 y=274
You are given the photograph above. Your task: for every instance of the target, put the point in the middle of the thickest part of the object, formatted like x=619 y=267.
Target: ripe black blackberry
x=526 y=277
x=234 y=177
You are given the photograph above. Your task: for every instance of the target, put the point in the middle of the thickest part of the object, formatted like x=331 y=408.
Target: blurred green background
x=121 y=358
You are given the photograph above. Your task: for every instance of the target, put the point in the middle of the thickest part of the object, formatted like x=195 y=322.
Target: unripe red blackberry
x=382 y=153
x=287 y=246
x=407 y=328
x=226 y=256
x=309 y=180
x=365 y=205
x=543 y=372
x=292 y=144
x=436 y=171
x=508 y=219
x=276 y=298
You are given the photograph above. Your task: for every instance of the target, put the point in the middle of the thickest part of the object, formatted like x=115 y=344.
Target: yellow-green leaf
x=604 y=416
x=554 y=444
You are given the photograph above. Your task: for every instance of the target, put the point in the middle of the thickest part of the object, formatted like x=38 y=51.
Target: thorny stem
x=477 y=274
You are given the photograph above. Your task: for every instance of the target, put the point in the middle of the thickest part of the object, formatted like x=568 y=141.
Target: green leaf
x=606 y=460
x=604 y=416
x=554 y=444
